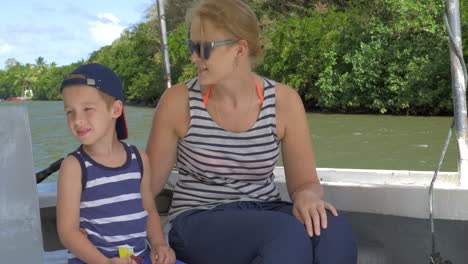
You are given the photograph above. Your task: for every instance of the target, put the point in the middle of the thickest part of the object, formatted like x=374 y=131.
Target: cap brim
x=73 y=81
x=121 y=126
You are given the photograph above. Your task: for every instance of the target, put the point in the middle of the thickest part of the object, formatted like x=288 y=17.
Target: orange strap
x=259 y=93
x=205 y=99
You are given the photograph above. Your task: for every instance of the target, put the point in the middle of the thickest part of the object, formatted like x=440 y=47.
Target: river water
x=340 y=141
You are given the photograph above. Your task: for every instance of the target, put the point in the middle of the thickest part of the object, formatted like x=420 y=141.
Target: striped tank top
x=111 y=209
x=216 y=166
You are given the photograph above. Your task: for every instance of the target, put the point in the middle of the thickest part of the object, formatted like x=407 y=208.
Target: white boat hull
x=388 y=212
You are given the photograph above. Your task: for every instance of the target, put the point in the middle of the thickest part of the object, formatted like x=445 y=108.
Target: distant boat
x=28 y=94
x=16 y=99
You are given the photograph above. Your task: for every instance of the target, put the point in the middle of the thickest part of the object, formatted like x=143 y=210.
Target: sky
x=63 y=31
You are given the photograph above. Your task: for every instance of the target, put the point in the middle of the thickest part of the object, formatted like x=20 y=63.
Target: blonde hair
x=235 y=17
x=108 y=99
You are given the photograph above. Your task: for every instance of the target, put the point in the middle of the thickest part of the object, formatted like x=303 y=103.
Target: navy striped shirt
x=111 y=208
x=217 y=166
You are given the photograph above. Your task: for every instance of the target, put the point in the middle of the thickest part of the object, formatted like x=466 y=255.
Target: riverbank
x=312 y=109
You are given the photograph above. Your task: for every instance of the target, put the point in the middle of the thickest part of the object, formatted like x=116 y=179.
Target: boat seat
x=371 y=253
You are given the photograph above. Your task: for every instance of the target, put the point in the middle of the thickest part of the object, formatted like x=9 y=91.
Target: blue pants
x=258 y=233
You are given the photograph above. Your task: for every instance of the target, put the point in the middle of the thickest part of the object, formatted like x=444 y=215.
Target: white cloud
x=5 y=48
x=106 y=30
x=110 y=17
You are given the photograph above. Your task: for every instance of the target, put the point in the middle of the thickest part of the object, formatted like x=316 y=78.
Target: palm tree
x=40 y=61
x=40 y=65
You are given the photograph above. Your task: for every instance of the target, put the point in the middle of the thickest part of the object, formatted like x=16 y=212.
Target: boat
x=27 y=95
x=15 y=99
x=397 y=216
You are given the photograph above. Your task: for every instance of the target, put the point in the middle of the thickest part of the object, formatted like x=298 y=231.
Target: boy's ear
x=117 y=108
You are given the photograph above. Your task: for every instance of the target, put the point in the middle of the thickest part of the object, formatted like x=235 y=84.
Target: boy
x=105 y=204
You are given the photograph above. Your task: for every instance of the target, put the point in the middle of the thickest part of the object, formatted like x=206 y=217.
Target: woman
x=223 y=129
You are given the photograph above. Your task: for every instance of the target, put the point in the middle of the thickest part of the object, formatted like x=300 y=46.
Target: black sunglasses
x=207 y=47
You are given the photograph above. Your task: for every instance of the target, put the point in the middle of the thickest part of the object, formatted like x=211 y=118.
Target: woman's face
x=220 y=63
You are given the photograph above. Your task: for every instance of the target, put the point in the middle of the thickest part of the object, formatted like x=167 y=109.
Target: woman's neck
x=235 y=88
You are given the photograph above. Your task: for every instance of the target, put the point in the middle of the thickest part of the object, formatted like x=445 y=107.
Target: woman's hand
x=309 y=209
x=162 y=254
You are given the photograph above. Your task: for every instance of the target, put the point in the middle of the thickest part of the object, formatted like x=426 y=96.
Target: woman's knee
x=177 y=243
x=336 y=244
x=338 y=226
x=288 y=242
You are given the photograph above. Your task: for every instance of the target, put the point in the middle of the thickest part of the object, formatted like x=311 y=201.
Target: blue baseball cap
x=105 y=80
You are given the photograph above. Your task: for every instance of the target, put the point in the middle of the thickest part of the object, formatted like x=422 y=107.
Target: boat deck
x=387 y=219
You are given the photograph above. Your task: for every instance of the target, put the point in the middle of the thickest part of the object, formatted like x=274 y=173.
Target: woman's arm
x=170 y=122
x=299 y=163
x=68 y=214
x=161 y=253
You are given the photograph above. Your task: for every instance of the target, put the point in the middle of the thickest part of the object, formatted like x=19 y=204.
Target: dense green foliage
x=391 y=56
x=379 y=56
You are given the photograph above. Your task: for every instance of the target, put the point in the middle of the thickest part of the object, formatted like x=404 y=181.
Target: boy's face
x=89 y=118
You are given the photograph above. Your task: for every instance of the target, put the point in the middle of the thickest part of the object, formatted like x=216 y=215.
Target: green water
x=340 y=141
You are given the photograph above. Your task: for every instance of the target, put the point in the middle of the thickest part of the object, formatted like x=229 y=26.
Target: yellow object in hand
x=125 y=252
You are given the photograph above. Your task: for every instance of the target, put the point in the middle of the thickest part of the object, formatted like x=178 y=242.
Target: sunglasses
x=207 y=47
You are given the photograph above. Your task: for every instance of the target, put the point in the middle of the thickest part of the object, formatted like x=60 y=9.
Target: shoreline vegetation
x=341 y=56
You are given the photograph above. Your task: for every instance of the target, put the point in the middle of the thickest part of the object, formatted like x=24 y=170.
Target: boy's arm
x=68 y=214
x=154 y=227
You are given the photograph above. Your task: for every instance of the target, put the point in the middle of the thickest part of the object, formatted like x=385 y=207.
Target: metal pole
x=164 y=45
x=458 y=87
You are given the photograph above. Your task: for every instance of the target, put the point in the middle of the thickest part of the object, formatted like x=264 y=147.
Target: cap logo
x=90 y=82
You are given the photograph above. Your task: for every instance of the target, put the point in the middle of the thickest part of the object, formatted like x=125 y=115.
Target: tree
x=3 y=87
x=48 y=85
x=10 y=62
x=40 y=61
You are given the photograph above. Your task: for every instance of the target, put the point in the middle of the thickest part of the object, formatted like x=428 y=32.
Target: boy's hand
x=122 y=261
x=162 y=254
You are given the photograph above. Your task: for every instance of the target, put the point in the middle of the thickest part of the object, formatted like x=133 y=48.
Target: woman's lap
x=254 y=233
x=147 y=260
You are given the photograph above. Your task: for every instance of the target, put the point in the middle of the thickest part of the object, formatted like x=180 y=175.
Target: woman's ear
x=117 y=108
x=242 y=48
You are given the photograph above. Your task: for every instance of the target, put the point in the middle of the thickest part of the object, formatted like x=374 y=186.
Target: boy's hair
x=108 y=84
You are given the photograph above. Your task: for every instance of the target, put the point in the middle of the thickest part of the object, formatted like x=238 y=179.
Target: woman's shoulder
x=174 y=96
x=180 y=92
x=286 y=96
x=173 y=108
x=176 y=91
x=282 y=90
x=289 y=106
